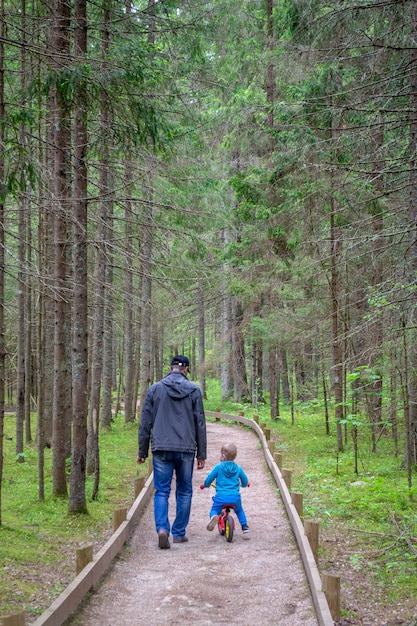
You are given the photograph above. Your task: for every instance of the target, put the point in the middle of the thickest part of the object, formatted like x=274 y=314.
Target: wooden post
x=271 y=446
x=150 y=466
x=286 y=474
x=139 y=485
x=15 y=619
x=331 y=588
x=262 y=425
x=297 y=500
x=119 y=516
x=311 y=530
x=242 y=414
x=83 y=556
x=256 y=418
x=278 y=459
x=267 y=433
x=218 y=418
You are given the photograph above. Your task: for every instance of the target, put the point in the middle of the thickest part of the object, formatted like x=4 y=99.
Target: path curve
x=207 y=580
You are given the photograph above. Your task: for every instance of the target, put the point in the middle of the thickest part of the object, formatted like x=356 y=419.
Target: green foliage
x=249 y=198
x=65 y=81
x=37 y=536
x=343 y=502
x=18 y=178
x=338 y=498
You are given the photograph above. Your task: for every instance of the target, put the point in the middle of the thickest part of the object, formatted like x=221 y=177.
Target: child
x=229 y=477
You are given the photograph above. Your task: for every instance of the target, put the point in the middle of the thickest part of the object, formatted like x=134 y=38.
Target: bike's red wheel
x=228 y=529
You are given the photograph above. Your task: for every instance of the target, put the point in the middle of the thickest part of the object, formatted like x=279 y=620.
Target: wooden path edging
x=313 y=576
x=71 y=597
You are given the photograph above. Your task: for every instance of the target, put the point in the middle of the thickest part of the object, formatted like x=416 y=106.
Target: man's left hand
x=200 y=464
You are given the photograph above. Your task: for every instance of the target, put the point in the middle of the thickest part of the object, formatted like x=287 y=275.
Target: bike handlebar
x=213 y=485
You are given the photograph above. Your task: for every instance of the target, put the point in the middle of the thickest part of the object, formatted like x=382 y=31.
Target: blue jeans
x=220 y=501
x=164 y=466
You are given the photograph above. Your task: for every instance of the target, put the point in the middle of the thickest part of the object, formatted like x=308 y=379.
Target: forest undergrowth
x=368 y=519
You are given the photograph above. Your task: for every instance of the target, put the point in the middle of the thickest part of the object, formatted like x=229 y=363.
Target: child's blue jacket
x=228 y=476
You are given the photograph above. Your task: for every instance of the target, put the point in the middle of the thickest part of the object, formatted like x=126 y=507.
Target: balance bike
x=226 y=523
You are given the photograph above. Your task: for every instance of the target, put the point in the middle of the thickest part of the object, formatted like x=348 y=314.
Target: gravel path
x=207 y=580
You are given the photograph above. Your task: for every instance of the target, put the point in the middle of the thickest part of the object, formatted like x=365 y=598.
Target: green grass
x=39 y=538
x=374 y=506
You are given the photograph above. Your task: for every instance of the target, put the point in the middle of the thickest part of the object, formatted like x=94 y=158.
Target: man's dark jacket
x=173 y=417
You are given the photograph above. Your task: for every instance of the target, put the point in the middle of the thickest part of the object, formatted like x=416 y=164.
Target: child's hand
x=201 y=486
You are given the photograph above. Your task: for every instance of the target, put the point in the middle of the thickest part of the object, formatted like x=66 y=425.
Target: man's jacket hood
x=177 y=385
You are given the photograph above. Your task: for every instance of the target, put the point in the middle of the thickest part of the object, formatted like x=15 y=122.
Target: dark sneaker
x=213 y=522
x=182 y=539
x=246 y=531
x=163 y=542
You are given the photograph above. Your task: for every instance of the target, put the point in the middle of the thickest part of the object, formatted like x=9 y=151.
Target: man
x=173 y=421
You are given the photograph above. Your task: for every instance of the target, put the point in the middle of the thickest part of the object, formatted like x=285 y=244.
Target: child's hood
x=229 y=468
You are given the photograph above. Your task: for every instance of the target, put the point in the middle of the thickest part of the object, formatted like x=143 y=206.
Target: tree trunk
x=45 y=330
x=273 y=382
x=138 y=356
x=21 y=335
x=241 y=388
x=29 y=387
x=101 y=296
x=62 y=194
x=2 y=248
x=335 y=251
x=146 y=311
x=375 y=335
x=60 y=361
x=24 y=318
x=21 y=273
x=77 y=499
x=108 y=343
x=147 y=253
x=393 y=404
x=93 y=461
x=335 y=287
x=40 y=434
x=28 y=257
x=47 y=269
x=201 y=342
x=226 y=369
x=128 y=302
x=285 y=379
x=412 y=250
x=252 y=375
x=45 y=325
x=108 y=337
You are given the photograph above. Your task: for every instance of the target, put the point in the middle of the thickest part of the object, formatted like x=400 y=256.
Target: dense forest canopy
x=233 y=180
